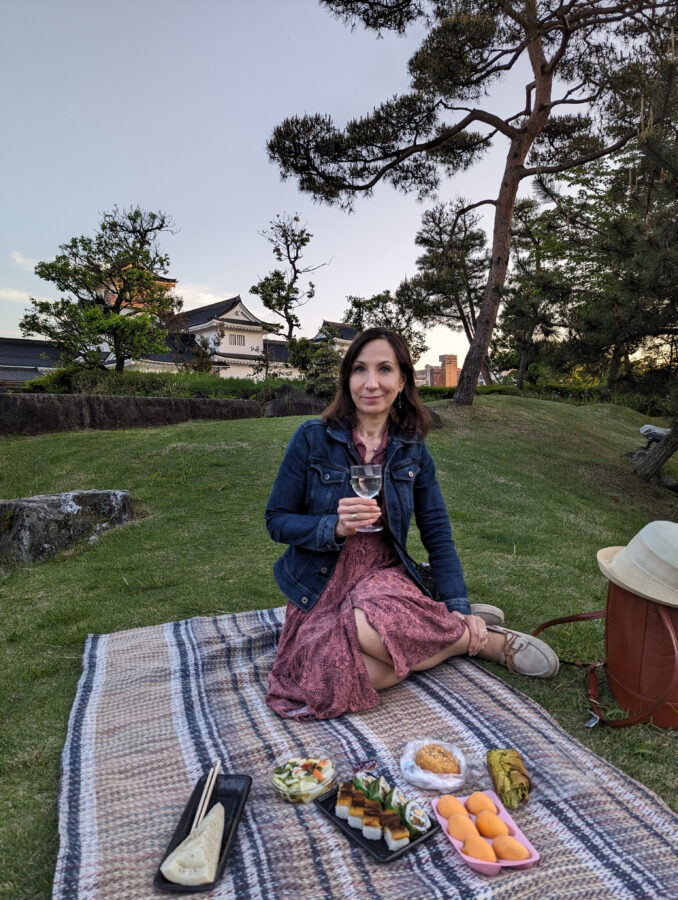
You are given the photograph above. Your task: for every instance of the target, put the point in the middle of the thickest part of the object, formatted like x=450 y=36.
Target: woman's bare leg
x=493 y=651
x=381 y=674
x=379 y=664
x=369 y=639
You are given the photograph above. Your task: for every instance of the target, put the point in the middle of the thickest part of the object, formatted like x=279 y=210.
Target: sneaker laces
x=510 y=650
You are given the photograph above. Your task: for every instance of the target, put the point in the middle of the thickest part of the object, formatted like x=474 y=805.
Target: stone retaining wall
x=42 y=413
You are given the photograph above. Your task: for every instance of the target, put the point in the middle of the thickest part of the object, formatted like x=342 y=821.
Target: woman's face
x=375 y=379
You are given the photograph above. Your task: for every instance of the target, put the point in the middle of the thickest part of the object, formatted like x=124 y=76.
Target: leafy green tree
x=452 y=269
x=589 y=55
x=281 y=290
x=117 y=292
x=620 y=248
x=536 y=291
x=453 y=266
x=399 y=312
x=319 y=361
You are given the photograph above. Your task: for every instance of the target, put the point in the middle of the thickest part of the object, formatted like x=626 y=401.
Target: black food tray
x=377 y=849
x=231 y=791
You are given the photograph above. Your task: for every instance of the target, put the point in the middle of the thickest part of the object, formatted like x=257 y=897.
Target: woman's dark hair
x=408 y=413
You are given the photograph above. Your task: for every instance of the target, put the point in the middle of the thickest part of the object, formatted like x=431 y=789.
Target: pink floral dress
x=319 y=671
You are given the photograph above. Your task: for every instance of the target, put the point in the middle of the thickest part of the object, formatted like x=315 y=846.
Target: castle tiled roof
x=202 y=314
x=344 y=332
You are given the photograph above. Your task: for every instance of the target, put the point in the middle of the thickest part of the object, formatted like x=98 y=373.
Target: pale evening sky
x=168 y=104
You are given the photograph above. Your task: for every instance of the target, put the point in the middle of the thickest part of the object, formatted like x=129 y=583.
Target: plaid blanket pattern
x=155 y=707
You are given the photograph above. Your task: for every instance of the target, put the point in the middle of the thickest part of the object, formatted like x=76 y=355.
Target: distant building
x=345 y=334
x=22 y=359
x=444 y=375
x=239 y=337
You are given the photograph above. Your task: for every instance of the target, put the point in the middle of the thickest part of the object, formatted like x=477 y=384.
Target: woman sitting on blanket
x=359 y=619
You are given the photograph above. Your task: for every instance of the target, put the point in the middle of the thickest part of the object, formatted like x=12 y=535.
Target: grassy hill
x=534 y=489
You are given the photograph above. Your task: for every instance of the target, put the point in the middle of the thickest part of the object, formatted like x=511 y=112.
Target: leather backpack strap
x=592 y=680
x=592 y=676
x=579 y=617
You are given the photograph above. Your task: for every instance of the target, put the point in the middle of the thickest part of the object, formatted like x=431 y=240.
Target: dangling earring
x=399 y=402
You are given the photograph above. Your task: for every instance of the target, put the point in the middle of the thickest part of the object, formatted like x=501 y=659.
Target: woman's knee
x=369 y=638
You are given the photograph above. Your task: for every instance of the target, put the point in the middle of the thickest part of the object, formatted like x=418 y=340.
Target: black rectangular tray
x=231 y=791
x=377 y=849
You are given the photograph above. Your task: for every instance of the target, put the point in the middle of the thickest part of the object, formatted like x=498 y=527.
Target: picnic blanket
x=155 y=707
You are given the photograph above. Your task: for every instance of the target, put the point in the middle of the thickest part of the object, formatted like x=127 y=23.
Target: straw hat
x=648 y=565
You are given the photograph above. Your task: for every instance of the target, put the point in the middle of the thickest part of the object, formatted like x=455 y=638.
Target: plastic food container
x=301 y=778
x=480 y=865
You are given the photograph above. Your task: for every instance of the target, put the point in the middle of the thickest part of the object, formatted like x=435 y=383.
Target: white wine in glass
x=366 y=482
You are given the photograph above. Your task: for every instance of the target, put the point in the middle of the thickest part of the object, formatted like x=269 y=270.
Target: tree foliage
x=281 y=290
x=399 y=312
x=319 y=361
x=117 y=295
x=588 y=61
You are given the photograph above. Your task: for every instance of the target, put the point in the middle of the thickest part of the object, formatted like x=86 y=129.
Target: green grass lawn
x=534 y=489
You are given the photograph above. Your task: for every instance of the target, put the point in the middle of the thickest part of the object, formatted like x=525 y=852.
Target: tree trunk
x=522 y=369
x=521 y=142
x=615 y=362
x=655 y=459
x=487 y=314
x=487 y=375
x=119 y=357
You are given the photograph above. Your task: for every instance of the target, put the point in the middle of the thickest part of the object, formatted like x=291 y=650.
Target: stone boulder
x=289 y=401
x=32 y=528
x=436 y=421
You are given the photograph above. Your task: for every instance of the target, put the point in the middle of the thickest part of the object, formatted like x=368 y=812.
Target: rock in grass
x=32 y=528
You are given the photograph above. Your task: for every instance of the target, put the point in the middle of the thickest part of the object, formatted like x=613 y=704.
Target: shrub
x=427 y=392
x=157 y=384
x=652 y=405
x=56 y=382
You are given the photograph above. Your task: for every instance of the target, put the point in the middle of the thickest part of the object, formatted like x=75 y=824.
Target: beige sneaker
x=491 y=614
x=524 y=654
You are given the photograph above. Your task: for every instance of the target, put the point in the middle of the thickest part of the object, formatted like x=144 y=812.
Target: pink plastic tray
x=479 y=865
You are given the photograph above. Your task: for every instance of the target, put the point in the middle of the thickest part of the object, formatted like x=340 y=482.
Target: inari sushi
x=356 y=810
x=396 y=834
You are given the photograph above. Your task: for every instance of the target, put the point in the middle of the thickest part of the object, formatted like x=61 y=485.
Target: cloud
x=14 y=295
x=195 y=295
x=23 y=262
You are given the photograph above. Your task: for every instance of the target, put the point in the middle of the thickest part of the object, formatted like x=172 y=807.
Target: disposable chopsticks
x=206 y=794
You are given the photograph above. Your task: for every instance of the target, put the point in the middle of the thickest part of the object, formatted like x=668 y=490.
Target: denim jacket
x=302 y=511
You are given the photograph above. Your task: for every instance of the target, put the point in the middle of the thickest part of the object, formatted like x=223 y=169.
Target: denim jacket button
x=326 y=476
x=411 y=473
x=304 y=599
x=323 y=571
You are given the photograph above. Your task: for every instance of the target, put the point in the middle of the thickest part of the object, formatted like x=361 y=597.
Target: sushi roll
x=362 y=781
x=378 y=789
x=416 y=820
x=395 y=799
x=372 y=826
x=396 y=834
x=356 y=810
x=344 y=799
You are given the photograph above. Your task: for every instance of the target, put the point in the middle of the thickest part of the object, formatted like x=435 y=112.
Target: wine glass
x=366 y=482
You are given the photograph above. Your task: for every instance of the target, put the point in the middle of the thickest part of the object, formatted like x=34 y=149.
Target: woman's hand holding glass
x=355 y=513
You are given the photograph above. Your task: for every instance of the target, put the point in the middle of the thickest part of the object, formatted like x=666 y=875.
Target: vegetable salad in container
x=300 y=779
